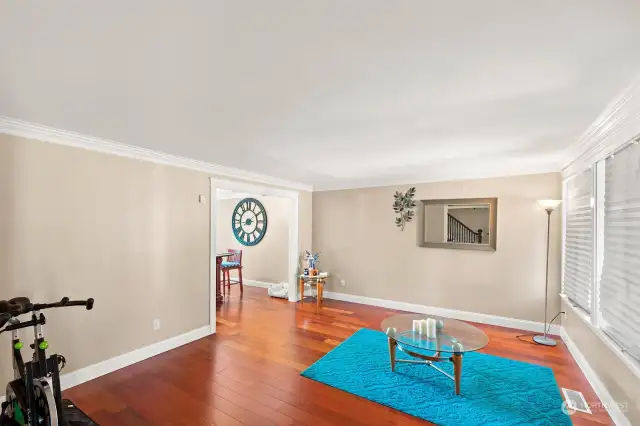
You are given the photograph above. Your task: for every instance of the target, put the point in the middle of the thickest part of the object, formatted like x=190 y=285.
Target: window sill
x=629 y=361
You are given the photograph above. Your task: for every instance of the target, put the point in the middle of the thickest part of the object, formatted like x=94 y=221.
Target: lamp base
x=544 y=340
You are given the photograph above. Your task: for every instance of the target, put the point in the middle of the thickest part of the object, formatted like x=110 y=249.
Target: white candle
x=431 y=327
x=416 y=326
x=423 y=326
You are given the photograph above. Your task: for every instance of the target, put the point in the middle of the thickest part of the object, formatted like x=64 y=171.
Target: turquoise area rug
x=494 y=390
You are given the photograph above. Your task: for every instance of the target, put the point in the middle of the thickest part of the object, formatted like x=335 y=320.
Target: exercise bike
x=34 y=396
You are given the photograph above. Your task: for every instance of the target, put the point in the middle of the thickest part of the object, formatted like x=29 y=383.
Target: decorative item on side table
x=249 y=222
x=550 y=206
x=403 y=204
x=312 y=261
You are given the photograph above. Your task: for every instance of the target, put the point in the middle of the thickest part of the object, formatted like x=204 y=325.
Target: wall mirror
x=462 y=223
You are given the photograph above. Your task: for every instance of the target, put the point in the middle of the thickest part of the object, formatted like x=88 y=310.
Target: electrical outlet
x=156 y=324
x=343 y=283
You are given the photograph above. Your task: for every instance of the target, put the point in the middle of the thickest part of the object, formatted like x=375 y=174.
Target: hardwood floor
x=249 y=372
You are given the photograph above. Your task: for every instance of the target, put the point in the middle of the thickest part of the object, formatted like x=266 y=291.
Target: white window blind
x=620 y=282
x=578 y=255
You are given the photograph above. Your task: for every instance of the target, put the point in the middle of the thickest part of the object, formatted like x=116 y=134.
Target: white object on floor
x=279 y=290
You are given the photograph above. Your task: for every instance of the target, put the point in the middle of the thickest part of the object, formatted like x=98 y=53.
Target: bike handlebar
x=65 y=302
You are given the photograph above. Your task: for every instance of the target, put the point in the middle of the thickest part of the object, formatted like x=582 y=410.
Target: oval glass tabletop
x=453 y=336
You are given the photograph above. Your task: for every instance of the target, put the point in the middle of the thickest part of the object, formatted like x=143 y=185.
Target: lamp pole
x=544 y=339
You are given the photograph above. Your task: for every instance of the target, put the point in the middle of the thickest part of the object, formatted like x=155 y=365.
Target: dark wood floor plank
x=248 y=374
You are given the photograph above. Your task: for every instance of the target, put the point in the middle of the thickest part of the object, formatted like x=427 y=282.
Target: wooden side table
x=319 y=281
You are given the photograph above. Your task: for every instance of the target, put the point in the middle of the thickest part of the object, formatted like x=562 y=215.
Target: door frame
x=216 y=184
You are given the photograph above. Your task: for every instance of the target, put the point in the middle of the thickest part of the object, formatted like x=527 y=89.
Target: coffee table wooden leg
x=301 y=290
x=456 y=359
x=392 y=353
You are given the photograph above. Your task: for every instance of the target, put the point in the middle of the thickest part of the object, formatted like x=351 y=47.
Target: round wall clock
x=249 y=222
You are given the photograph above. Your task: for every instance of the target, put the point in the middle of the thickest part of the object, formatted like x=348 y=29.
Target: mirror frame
x=493 y=222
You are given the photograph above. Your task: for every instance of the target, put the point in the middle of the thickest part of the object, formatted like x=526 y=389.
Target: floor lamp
x=550 y=206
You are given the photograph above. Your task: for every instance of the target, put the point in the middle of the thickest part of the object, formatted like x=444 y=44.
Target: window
x=578 y=257
x=601 y=271
x=620 y=282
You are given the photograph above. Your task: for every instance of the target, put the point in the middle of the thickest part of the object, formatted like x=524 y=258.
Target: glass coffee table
x=453 y=338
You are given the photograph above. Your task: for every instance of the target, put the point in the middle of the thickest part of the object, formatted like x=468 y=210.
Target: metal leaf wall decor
x=403 y=205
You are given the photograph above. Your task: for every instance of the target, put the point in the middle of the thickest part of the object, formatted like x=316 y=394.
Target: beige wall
x=355 y=231
x=129 y=233
x=620 y=381
x=268 y=261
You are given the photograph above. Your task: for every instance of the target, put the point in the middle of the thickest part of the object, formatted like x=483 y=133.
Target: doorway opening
x=262 y=222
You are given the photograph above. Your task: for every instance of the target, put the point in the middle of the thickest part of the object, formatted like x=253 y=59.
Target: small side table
x=310 y=280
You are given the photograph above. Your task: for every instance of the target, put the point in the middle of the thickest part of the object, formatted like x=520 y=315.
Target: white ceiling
x=333 y=93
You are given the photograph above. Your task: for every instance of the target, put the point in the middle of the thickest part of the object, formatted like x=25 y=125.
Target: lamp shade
x=549 y=204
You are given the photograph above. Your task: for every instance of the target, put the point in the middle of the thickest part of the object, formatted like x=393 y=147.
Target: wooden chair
x=232 y=263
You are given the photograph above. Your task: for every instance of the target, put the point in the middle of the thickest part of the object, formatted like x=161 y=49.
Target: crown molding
x=42 y=133
x=617 y=125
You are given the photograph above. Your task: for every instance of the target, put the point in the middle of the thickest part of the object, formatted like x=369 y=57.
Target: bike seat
x=16 y=306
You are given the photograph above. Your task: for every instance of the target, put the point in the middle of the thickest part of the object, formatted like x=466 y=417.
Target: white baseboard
x=94 y=371
x=444 y=312
x=254 y=283
x=600 y=389
x=91 y=372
